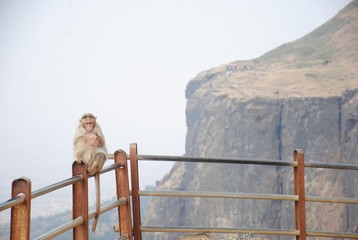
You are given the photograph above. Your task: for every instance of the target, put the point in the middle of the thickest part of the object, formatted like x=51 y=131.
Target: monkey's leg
x=97 y=164
x=92 y=168
x=78 y=156
x=98 y=201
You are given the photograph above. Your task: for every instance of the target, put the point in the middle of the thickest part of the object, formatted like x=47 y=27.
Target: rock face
x=200 y=236
x=302 y=95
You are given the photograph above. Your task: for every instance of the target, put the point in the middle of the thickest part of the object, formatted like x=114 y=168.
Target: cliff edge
x=301 y=95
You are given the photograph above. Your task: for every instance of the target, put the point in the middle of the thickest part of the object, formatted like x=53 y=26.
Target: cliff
x=302 y=95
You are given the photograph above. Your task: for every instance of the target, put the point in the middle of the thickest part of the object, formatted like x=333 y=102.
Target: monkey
x=90 y=148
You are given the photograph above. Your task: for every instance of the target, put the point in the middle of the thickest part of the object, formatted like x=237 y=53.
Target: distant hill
x=303 y=94
x=320 y=64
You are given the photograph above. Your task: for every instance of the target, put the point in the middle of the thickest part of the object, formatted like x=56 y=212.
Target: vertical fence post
x=299 y=188
x=135 y=191
x=80 y=201
x=20 y=214
x=122 y=182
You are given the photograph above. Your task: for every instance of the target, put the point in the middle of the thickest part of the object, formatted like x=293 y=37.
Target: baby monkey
x=90 y=148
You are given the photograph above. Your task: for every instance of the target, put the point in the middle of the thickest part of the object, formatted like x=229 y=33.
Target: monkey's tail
x=98 y=202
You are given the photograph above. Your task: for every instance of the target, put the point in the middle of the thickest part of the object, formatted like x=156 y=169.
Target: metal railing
x=20 y=203
x=129 y=219
x=299 y=197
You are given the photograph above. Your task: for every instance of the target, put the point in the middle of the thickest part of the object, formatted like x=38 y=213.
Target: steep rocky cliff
x=301 y=95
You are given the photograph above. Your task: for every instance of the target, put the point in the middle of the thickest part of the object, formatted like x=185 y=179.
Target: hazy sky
x=128 y=62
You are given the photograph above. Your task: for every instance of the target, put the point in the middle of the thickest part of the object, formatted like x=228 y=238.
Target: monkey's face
x=88 y=122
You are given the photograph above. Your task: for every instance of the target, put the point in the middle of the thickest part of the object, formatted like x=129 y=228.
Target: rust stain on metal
x=122 y=182
x=135 y=191
x=80 y=201
x=20 y=214
x=299 y=188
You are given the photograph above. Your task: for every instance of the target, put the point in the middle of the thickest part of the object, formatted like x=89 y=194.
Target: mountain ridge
x=322 y=63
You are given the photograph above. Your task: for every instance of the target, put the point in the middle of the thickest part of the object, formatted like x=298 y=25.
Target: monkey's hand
x=91 y=139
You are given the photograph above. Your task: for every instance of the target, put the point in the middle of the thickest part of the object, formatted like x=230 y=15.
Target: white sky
x=128 y=62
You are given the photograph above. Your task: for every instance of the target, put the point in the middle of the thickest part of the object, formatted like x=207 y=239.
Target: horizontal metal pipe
x=221 y=230
x=108 y=207
x=219 y=195
x=332 y=199
x=116 y=228
x=332 y=235
x=61 y=229
x=20 y=198
x=342 y=166
x=69 y=181
x=56 y=186
x=216 y=160
x=111 y=167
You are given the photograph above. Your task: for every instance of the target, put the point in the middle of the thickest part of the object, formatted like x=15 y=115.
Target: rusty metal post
x=122 y=182
x=80 y=201
x=299 y=188
x=20 y=214
x=135 y=191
